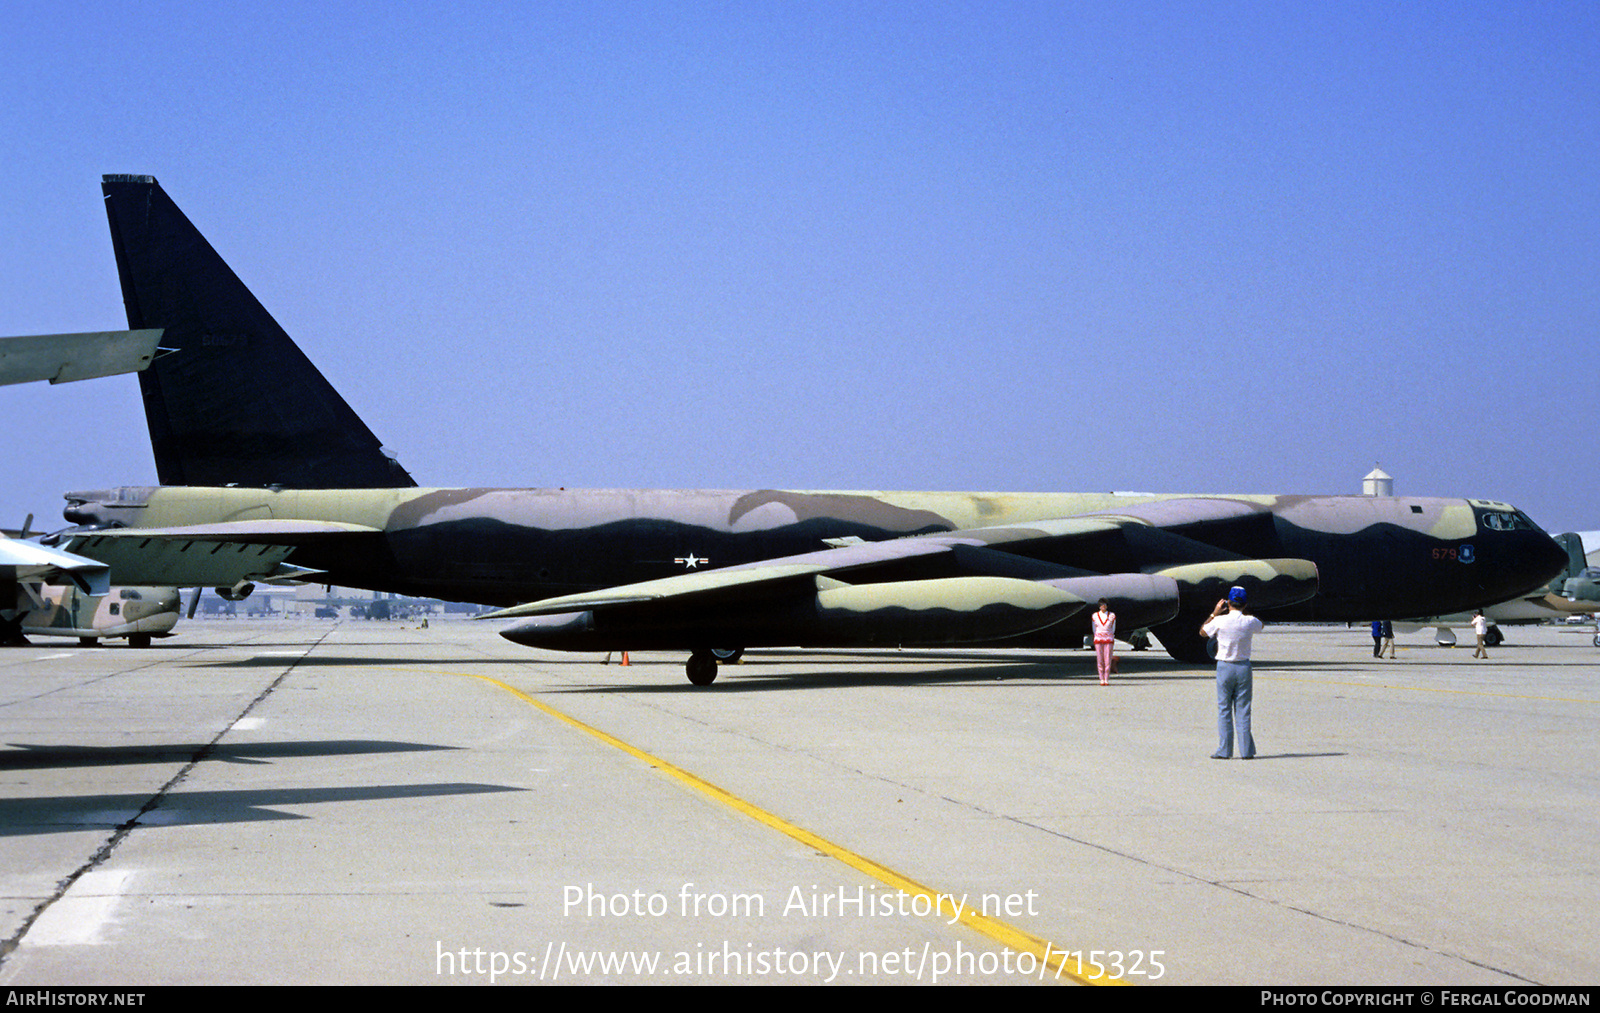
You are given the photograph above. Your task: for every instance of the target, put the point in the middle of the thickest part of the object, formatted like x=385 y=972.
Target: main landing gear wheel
x=701 y=668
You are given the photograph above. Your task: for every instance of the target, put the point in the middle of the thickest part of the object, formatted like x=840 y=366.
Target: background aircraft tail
x=1572 y=543
x=230 y=400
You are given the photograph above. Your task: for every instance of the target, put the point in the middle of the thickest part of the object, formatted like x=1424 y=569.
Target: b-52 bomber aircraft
x=256 y=452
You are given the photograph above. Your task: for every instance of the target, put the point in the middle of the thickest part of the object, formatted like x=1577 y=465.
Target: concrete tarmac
x=367 y=802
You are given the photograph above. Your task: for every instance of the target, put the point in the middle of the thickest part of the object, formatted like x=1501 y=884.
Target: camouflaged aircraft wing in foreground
x=713 y=572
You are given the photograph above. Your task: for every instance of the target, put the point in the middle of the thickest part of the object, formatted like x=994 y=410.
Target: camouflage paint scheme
x=137 y=613
x=1579 y=588
x=1561 y=598
x=1399 y=556
x=1584 y=587
x=254 y=448
x=25 y=567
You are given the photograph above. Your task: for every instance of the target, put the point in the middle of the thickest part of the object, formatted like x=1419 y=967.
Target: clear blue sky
x=1055 y=246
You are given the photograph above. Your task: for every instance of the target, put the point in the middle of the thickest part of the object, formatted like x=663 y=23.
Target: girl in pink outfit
x=1104 y=626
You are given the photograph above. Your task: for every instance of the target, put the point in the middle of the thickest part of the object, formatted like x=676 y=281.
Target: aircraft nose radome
x=1549 y=558
x=1527 y=561
x=1528 y=556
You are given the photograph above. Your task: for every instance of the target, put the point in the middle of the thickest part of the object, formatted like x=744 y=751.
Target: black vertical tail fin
x=235 y=401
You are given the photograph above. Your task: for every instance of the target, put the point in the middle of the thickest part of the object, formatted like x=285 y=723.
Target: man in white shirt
x=1233 y=630
x=1480 y=626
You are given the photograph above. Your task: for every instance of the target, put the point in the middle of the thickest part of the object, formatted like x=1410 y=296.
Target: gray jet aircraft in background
x=257 y=454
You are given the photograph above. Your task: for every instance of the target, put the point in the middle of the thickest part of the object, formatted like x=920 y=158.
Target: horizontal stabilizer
x=223 y=553
x=258 y=532
x=181 y=562
x=61 y=358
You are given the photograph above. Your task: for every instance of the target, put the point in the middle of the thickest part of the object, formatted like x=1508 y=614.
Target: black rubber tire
x=701 y=668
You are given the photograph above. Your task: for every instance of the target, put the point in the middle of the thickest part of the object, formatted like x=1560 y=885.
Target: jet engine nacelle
x=1139 y=599
x=953 y=610
x=1269 y=583
x=238 y=592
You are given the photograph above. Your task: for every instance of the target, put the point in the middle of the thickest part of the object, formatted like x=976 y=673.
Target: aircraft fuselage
x=1375 y=556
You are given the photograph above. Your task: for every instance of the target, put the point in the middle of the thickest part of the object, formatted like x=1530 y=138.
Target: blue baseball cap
x=1236 y=595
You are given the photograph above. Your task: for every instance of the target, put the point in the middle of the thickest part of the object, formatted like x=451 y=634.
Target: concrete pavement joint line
x=960 y=803
x=1048 y=954
x=105 y=850
x=1430 y=689
x=1231 y=888
x=143 y=662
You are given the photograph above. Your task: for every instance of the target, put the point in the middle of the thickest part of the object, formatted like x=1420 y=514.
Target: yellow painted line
x=1051 y=957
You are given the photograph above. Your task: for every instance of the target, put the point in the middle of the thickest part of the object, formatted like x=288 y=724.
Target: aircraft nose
x=1547 y=557
x=1530 y=561
x=1523 y=557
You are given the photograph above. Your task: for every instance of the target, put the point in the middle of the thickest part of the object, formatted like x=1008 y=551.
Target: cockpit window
x=1498 y=520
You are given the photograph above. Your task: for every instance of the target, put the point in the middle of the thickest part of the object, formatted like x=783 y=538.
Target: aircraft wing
x=60 y=358
x=971 y=585
x=735 y=580
x=29 y=562
x=213 y=555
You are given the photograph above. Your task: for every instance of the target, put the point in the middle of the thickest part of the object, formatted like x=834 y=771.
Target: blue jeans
x=1233 y=708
